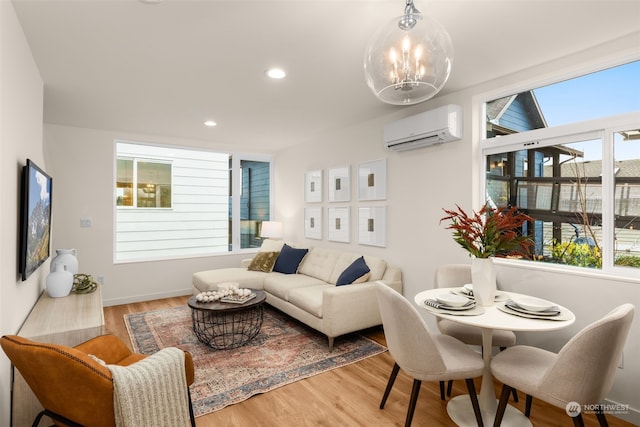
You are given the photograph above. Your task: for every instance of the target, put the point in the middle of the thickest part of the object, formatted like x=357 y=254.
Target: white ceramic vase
x=60 y=281
x=483 y=277
x=67 y=257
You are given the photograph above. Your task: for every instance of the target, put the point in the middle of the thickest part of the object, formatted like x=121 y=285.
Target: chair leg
x=53 y=415
x=449 y=387
x=37 y=420
x=527 y=406
x=515 y=392
x=602 y=419
x=441 y=390
x=392 y=379
x=412 y=402
x=578 y=421
x=502 y=405
x=474 y=401
x=191 y=415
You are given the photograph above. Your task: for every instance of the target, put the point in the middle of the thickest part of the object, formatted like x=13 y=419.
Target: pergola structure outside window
x=579 y=181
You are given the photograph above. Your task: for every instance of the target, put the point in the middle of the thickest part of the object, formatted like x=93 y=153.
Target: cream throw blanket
x=152 y=392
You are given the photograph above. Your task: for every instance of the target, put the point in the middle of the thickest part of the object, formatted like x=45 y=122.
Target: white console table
x=68 y=321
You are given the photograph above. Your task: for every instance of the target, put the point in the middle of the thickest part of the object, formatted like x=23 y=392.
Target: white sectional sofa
x=308 y=291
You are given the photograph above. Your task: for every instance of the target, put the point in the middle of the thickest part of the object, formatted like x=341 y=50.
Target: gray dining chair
x=457 y=275
x=583 y=371
x=421 y=354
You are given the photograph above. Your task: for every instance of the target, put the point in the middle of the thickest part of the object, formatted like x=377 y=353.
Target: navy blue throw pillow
x=289 y=259
x=358 y=268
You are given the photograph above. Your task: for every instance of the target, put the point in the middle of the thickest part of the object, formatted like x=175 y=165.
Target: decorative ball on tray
x=234 y=294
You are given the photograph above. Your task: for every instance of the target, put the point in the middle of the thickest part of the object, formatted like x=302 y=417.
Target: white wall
x=21 y=92
x=422 y=182
x=81 y=163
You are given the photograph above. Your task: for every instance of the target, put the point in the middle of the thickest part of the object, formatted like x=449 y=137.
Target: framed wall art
x=372 y=180
x=313 y=186
x=372 y=224
x=339 y=183
x=313 y=223
x=338 y=224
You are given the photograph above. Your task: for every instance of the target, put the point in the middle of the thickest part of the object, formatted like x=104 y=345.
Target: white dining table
x=488 y=319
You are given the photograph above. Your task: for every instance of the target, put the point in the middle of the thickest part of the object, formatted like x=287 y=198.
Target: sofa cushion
x=270 y=245
x=263 y=261
x=377 y=265
x=208 y=280
x=319 y=263
x=357 y=269
x=283 y=284
x=289 y=259
x=309 y=298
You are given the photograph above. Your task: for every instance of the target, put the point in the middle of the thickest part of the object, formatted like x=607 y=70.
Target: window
x=573 y=165
x=150 y=178
x=178 y=202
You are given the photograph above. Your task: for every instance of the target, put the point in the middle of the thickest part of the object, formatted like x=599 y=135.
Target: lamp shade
x=271 y=229
x=408 y=60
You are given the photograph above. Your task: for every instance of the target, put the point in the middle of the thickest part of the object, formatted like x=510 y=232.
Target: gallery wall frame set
x=372 y=186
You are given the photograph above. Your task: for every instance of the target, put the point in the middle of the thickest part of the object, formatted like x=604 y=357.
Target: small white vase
x=67 y=257
x=60 y=281
x=483 y=277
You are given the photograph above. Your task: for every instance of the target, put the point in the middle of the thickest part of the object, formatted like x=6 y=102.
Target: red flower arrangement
x=490 y=231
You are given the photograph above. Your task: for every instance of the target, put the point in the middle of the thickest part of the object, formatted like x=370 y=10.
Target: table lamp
x=271 y=229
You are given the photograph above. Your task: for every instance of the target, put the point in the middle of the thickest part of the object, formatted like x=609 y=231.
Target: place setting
x=467 y=291
x=533 y=308
x=450 y=303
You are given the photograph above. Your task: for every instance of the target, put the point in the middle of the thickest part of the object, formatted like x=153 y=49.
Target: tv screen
x=35 y=219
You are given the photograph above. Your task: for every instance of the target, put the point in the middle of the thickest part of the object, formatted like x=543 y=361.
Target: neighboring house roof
x=623 y=168
x=515 y=113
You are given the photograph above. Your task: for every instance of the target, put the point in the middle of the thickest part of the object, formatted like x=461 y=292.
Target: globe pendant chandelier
x=408 y=60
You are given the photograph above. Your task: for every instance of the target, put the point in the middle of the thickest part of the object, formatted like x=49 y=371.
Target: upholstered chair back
x=408 y=337
x=585 y=367
x=452 y=275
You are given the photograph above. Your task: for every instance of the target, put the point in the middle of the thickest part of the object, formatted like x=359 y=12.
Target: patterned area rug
x=283 y=352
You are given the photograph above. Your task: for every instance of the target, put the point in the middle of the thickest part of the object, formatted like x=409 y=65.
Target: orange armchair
x=73 y=387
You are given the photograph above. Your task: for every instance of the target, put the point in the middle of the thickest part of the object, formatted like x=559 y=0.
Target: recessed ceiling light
x=210 y=123
x=276 y=73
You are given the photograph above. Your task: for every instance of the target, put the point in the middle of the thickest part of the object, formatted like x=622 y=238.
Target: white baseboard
x=147 y=297
x=628 y=414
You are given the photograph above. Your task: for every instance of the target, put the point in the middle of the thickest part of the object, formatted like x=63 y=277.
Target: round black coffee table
x=222 y=325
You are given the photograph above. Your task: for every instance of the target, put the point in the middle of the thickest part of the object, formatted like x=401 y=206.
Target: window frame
x=134 y=187
x=601 y=128
x=236 y=196
x=236 y=189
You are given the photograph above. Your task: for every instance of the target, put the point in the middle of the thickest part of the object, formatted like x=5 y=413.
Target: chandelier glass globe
x=408 y=60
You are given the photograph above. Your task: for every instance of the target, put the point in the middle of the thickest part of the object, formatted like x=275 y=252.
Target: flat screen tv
x=35 y=219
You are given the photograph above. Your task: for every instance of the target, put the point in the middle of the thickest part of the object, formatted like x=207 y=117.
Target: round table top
x=260 y=297
x=494 y=318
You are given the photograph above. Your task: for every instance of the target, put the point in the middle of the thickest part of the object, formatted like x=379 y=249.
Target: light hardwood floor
x=348 y=396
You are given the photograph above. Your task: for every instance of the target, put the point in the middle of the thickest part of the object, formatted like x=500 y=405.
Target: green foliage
x=578 y=254
x=628 y=261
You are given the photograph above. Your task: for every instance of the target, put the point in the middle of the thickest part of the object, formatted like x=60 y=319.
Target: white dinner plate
x=452 y=300
x=464 y=291
x=532 y=303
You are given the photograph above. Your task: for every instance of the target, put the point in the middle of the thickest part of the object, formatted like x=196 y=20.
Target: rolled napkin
x=435 y=304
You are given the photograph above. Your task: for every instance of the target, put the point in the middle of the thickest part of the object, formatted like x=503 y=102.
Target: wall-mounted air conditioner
x=437 y=126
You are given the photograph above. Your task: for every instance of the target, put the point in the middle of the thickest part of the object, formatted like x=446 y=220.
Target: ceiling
x=164 y=67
